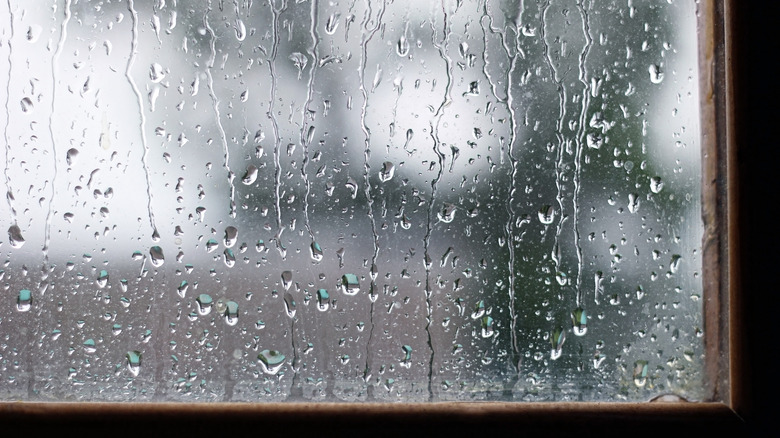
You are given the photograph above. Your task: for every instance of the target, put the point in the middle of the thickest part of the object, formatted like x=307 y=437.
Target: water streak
x=446 y=101
x=368 y=34
x=579 y=143
x=134 y=86
x=9 y=190
x=277 y=140
x=312 y=50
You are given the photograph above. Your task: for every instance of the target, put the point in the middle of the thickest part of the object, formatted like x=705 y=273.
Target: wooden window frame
x=724 y=316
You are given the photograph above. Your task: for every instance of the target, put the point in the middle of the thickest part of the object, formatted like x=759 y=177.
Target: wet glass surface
x=354 y=200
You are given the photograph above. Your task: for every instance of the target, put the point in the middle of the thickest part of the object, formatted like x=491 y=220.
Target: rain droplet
x=182 y=289
x=231 y=312
x=323 y=300
x=487 y=326
x=447 y=213
x=27 y=105
x=350 y=284
x=204 y=304
x=557 y=338
x=157 y=256
x=231 y=233
x=674 y=265
x=656 y=73
x=316 y=251
x=24 y=300
x=402 y=48
x=299 y=60
x=240 y=29
x=633 y=202
x=156 y=73
x=289 y=305
x=407 y=360
x=594 y=140
x=332 y=24
x=579 y=320
x=250 y=176
x=656 y=184
x=271 y=361
x=286 y=279
x=640 y=373
x=15 y=236
x=229 y=257
x=134 y=362
x=546 y=214
x=71 y=156
x=387 y=172
x=102 y=279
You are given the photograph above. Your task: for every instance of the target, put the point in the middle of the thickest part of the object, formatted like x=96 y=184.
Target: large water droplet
x=656 y=73
x=447 y=213
x=546 y=214
x=289 y=304
x=316 y=251
x=387 y=172
x=204 y=303
x=656 y=184
x=15 y=236
x=250 y=176
x=323 y=300
x=157 y=256
x=231 y=312
x=134 y=362
x=231 y=234
x=286 y=279
x=350 y=284
x=271 y=361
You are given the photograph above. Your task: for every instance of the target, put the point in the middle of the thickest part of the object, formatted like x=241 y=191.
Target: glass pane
x=356 y=200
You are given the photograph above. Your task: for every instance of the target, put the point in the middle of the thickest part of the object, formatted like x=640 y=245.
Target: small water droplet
x=656 y=73
x=557 y=338
x=402 y=48
x=407 y=360
x=240 y=29
x=487 y=326
x=27 y=105
x=579 y=319
x=134 y=362
x=71 y=156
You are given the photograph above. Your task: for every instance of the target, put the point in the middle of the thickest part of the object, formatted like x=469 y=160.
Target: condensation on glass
x=350 y=200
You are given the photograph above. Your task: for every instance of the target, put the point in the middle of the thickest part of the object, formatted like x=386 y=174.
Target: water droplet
x=656 y=73
x=323 y=300
x=27 y=105
x=204 y=304
x=24 y=300
x=157 y=256
x=479 y=310
x=674 y=265
x=102 y=279
x=387 y=172
x=289 y=305
x=579 y=319
x=557 y=338
x=316 y=251
x=633 y=202
x=231 y=234
x=240 y=29
x=487 y=326
x=447 y=213
x=156 y=72
x=332 y=24
x=299 y=60
x=352 y=186
x=640 y=373
x=15 y=236
x=407 y=360
x=89 y=346
x=546 y=214
x=182 y=289
x=71 y=156
x=286 y=279
x=211 y=245
x=594 y=140
x=229 y=258
x=402 y=48
x=134 y=362
x=271 y=361
x=250 y=176
x=231 y=312
x=656 y=184
x=350 y=284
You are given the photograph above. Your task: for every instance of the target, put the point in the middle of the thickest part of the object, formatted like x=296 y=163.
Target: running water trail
x=368 y=34
x=559 y=135
x=509 y=228
x=134 y=86
x=579 y=143
x=54 y=68
x=9 y=191
x=446 y=101
x=215 y=103
x=307 y=130
x=274 y=124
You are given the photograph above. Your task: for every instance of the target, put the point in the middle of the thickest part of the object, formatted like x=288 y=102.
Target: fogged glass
x=353 y=200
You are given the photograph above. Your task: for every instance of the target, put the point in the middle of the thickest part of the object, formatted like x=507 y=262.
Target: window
x=467 y=201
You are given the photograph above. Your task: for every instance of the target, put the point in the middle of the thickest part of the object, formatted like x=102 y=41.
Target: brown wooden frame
x=724 y=333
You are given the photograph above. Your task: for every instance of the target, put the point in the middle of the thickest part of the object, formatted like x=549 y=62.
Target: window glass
x=350 y=200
